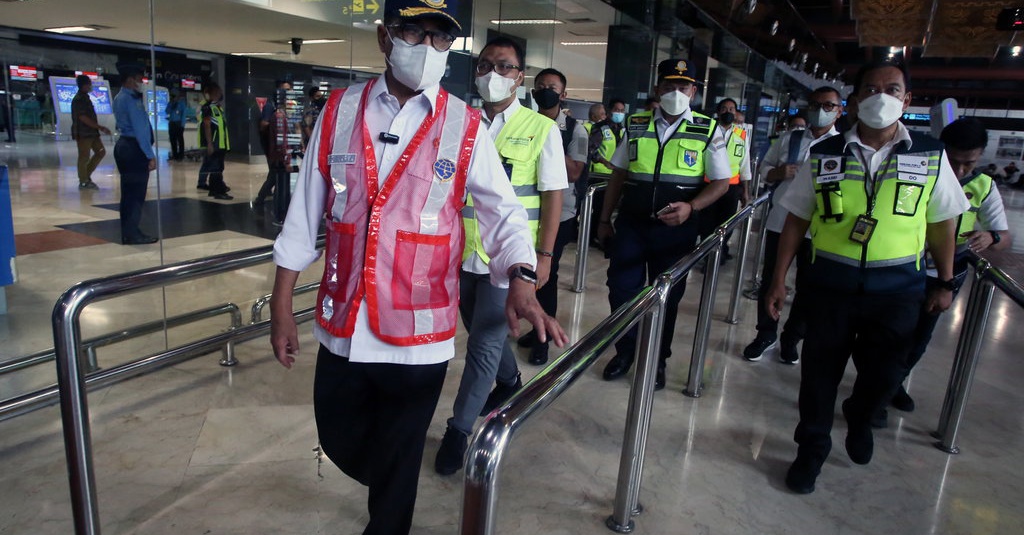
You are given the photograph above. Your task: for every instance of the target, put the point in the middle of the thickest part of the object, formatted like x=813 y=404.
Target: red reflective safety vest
x=398 y=244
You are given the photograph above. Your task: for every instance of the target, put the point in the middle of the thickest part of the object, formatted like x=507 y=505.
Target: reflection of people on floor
x=133 y=152
x=85 y=130
x=268 y=126
x=7 y=119
x=213 y=139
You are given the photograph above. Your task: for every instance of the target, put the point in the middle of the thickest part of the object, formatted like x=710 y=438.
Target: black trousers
x=548 y=294
x=133 y=166
x=877 y=330
x=372 y=422
x=176 y=132
x=641 y=250
x=927 y=322
x=796 y=326
x=211 y=172
x=720 y=211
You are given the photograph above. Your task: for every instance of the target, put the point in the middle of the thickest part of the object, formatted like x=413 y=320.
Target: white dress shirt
x=947 y=200
x=716 y=160
x=502 y=219
x=778 y=155
x=551 y=174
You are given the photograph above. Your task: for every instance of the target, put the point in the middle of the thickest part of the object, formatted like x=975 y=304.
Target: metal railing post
x=228 y=353
x=638 y=417
x=707 y=304
x=755 y=277
x=74 y=411
x=583 y=242
x=966 y=362
x=741 y=264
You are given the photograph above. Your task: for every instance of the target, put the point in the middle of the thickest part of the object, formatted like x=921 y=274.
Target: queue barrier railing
x=73 y=384
x=48 y=395
x=586 y=221
x=485 y=454
x=968 y=350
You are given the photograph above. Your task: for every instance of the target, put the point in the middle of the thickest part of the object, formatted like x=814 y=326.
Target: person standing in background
x=267 y=133
x=133 y=151
x=176 y=125
x=213 y=138
x=85 y=130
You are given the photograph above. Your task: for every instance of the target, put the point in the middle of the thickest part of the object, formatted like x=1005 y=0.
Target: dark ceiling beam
x=845 y=31
x=953 y=73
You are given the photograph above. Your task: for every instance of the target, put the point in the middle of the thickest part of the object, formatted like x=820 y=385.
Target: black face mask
x=726 y=118
x=546 y=98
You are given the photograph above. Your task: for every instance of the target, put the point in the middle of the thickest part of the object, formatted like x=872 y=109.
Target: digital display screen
x=24 y=73
x=188 y=84
x=100 y=96
x=162 y=99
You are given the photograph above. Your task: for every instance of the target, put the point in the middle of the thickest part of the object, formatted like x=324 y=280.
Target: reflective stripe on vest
x=903 y=188
x=682 y=159
x=977 y=189
x=404 y=262
x=519 y=145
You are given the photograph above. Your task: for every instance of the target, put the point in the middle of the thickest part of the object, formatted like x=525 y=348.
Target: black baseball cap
x=130 y=68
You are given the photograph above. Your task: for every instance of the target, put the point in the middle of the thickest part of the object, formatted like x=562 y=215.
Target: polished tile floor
x=202 y=449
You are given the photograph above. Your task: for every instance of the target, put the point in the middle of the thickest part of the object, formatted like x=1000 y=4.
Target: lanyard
x=870 y=182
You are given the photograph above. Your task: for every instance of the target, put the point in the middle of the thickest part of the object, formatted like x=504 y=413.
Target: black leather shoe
x=860 y=444
x=221 y=196
x=203 y=187
x=902 y=401
x=452 y=453
x=528 y=340
x=617 y=367
x=500 y=395
x=539 y=354
x=141 y=239
x=659 y=377
x=802 y=474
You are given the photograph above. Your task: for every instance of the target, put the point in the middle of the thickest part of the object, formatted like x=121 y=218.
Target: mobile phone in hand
x=668 y=208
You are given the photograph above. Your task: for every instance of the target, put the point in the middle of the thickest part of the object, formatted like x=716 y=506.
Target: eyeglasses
x=484 y=67
x=827 y=106
x=414 y=34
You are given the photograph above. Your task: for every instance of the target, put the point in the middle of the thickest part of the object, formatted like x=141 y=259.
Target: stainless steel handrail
x=483 y=460
x=583 y=240
x=263 y=301
x=71 y=378
x=968 y=350
x=134 y=331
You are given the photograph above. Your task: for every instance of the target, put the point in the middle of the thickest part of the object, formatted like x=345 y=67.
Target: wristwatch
x=950 y=285
x=995 y=237
x=524 y=273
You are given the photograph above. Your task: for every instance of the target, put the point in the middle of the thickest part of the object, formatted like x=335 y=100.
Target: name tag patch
x=906 y=163
x=825 y=179
x=342 y=159
x=911 y=177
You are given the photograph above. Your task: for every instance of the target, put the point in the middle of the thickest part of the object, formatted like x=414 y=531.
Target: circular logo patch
x=444 y=169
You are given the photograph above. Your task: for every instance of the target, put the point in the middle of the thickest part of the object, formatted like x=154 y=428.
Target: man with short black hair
x=872 y=199
x=85 y=130
x=777 y=170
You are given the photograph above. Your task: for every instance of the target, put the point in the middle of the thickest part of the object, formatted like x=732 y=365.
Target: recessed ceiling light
x=526 y=21
x=584 y=43
x=72 y=29
x=322 y=41
x=258 y=53
x=356 y=67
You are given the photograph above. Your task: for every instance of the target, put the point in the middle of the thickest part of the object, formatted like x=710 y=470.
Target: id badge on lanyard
x=864 y=226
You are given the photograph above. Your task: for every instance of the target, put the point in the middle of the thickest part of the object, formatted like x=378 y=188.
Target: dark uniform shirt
x=82 y=105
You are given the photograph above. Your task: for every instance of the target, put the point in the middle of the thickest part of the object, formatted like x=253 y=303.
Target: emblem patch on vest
x=342 y=159
x=829 y=166
x=444 y=169
x=690 y=157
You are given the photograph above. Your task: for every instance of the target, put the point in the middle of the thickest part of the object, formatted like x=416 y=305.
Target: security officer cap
x=419 y=9
x=677 y=69
x=130 y=68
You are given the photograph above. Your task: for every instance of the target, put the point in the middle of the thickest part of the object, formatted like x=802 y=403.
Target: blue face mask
x=618 y=116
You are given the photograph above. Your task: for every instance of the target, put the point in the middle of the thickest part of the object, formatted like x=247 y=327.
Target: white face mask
x=822 y=118
x=675 y=103
x=494 y=87
x=879 y=110
x=417 y=66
